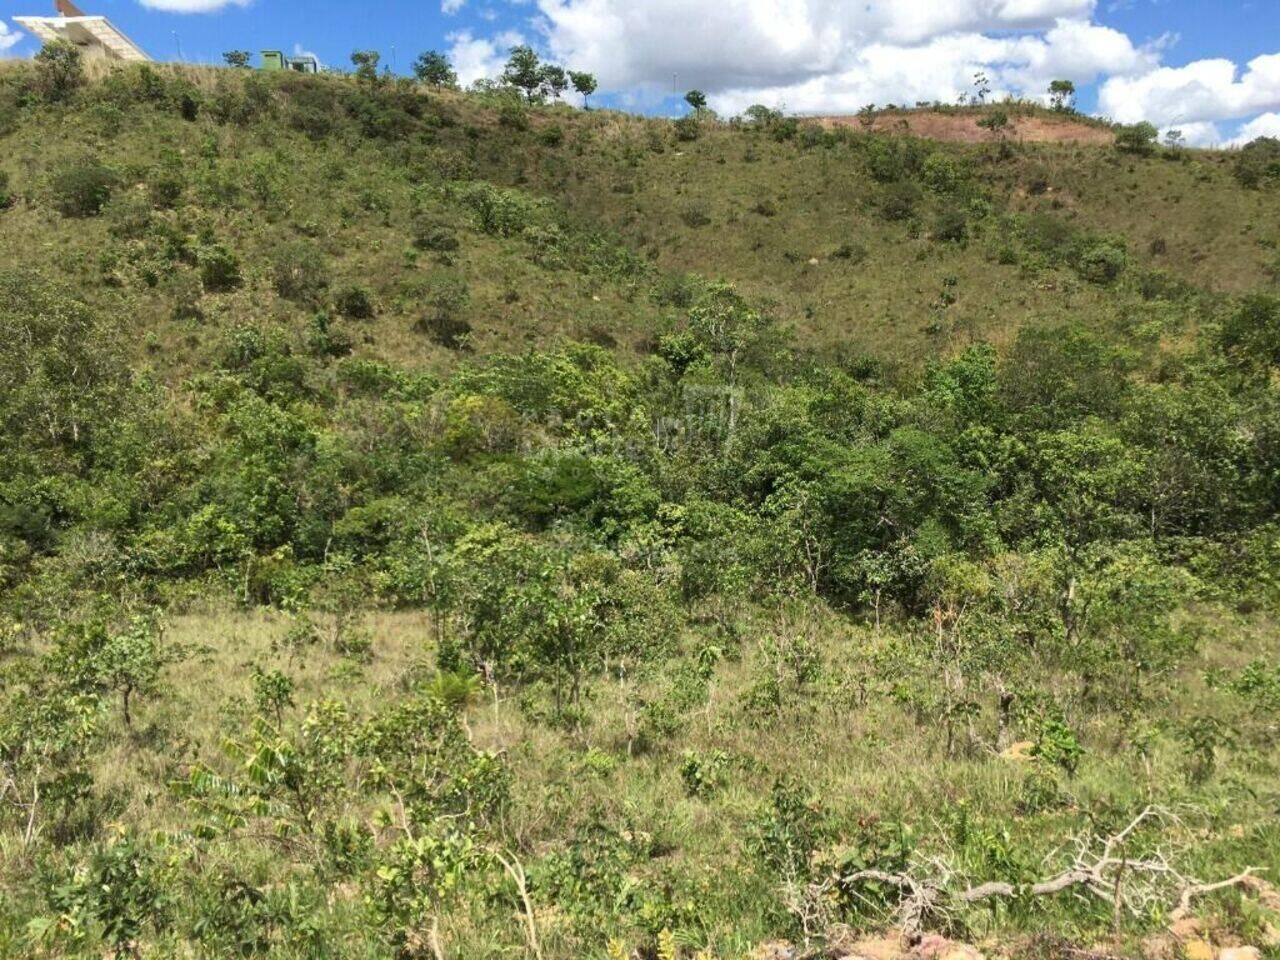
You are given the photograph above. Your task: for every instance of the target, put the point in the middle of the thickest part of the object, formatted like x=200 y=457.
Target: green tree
x=414 y=879
x=433 y=69
x=83 y=189
x=697 y=100
x=59 y=70
x=1250 y=334
x=115 y=891
x=366 y=64
x=64 y=379
x=129 y=661
x=981 y=87
x=1062 y=95
x=524 y=72
x=726 y=326
x=584 y=84
x=996 y=123
x=1258 y=163
x=47 y=730
x=1137 y=138
x=554 y=81
x=236 y=58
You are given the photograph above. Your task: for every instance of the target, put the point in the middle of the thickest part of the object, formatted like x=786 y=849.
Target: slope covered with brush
x=433 y=525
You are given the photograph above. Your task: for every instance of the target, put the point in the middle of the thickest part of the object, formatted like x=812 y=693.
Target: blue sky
x=1182 y=63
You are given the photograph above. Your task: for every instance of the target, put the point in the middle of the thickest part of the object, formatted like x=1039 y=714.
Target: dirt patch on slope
x=963 y=127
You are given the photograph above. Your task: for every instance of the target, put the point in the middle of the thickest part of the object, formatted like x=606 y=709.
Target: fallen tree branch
x=1153 y=879
x=1200 y=889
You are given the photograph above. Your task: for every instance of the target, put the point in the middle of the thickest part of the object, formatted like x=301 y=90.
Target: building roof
x=85 y=31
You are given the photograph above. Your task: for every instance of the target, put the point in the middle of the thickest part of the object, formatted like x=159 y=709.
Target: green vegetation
x=447 y=524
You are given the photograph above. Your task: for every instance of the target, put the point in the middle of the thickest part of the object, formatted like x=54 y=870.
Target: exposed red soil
x=963 y=127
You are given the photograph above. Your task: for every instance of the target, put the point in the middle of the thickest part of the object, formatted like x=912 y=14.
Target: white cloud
x=835 y=56
x=1266 y=125
x=8 y=37
x=192 y=6
x=1203 y=91
x=1196 y=134
x=476 y=58
x=451 y=6
x=735 y=44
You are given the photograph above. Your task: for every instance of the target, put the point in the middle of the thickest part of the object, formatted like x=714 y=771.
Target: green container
x=272 y=60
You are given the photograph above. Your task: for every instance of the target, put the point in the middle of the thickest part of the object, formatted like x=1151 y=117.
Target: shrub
x=551 y=137
x=504 y=213
x=855 y=253
x=1047 y=234
x=893 y=158
x=513 y=115
x=444 y=329
x=951 y=225
x=129 y=215
x=59 y=70
x=298 y=272
x=6 y=194
x=943 y=173
x=166 y=187
x=695 y=215
x=898 y=201
x=431 y=234
x=1102 y=262
x=687 y=128
x=1138 y=138
x=354 y=303
x=440 y=322
x=785 y=129
x=83 y=189
x=1259 y=163
x=219 y=268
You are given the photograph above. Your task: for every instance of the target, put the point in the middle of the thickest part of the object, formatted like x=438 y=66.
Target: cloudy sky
x=1210 y=68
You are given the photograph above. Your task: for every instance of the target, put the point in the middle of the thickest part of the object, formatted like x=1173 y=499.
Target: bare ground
x=963 y=127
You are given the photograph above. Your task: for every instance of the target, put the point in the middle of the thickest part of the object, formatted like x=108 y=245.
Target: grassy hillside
x=437 y=526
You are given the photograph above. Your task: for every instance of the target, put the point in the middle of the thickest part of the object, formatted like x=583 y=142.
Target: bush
x=943 y=173
x=354 y=303
x=298 y=272
x=1138 y=138
x=855 y=253
x=219 y=268
x=1259 y=163
x=1102 y=262
x=444 y=329
x=513 y=115
x=82 y=190
x=430 y=234
x=59 y=70
x=898 y=201
x=695 y=215
x=951 y=225
x=893 y=158
x=687 y=129
x=441 y=323
x=6 y=194
x=785 y=130
x=166 y=187
x=503 y=213
x=129 y=215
